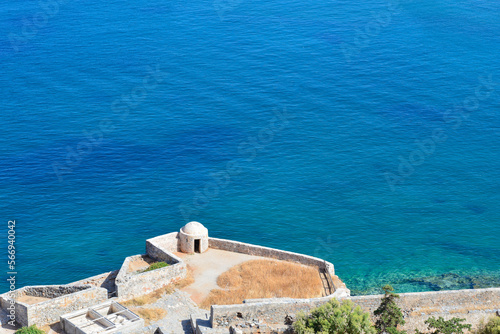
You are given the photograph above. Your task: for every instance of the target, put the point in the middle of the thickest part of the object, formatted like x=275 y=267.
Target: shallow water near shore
x=362 y=133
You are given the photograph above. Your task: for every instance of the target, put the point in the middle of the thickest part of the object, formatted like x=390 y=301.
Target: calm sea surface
x=365 y=133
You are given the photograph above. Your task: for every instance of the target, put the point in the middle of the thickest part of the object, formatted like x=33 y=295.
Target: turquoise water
x=363 y=133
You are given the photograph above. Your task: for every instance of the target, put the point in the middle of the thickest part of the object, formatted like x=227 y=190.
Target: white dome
x=194 y=228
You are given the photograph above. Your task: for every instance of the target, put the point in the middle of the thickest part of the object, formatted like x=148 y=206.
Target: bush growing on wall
x=156 y=265
x=333 y=318
x=491 y=327
x=441 y=326
x=389 y=315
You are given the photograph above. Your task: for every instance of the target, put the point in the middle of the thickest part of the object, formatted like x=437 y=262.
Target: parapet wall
x=45 y=291
x=244 y=248
x=106 y=280
x=63 y=299
x=271 y=311
x=130 y=284
x=159 y=254
x=53 y=291
x=168 y=242
x=20 y=310
x=472 y=305
x=161 y=248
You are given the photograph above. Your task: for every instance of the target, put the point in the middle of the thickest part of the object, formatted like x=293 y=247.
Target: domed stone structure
x=193 y=238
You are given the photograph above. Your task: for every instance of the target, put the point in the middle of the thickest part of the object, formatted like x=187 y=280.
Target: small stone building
x=193 y=238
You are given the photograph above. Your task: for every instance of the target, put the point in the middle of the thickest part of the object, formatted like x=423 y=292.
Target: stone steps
x=326 y=286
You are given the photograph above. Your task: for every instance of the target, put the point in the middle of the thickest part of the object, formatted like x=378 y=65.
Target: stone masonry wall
x=138 y=284
x=123 y=273
x=52 y=291
x=106 y=280
x=49 y=311
x=472 y=305
x=20 y=310
x=271 y=311
x=244 y=248
x=168 y=242
x=155 y=252
x=161 y=248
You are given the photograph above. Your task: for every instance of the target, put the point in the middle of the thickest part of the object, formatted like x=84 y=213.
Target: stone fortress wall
x=61 y=299
x=244 y=248
x=133 y=284
x=105 y=280
x=270 y=310
x=472 y=305
x=123 y=283
x=164 y=243
x=275 y=309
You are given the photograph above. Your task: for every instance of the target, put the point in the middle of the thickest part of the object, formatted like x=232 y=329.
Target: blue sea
x=365 y=133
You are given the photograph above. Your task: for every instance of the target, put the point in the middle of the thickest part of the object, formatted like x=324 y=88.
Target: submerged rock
x=452 y=281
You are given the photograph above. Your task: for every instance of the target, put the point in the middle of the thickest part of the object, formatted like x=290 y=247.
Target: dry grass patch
x=149 y=314
x=153 y=297
x=150 y=298
x=53 y=328
x=265 y=279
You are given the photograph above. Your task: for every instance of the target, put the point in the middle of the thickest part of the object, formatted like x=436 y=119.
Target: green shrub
x=156 y=265
x=441 y=326
x=491 y=327
x=389 y=315
x=29 y=330
x=335 y=318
